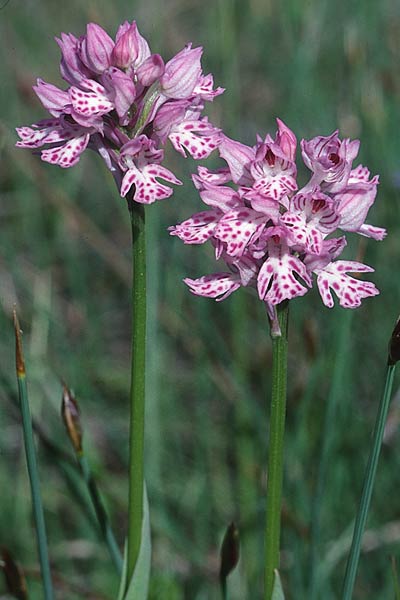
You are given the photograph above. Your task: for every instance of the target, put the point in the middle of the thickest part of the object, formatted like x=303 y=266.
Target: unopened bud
x=96 y=48
x=14 y=576
x=394 y=345
x=71 y=417
x=19 y=355
x=182 y=73
x=230 y=550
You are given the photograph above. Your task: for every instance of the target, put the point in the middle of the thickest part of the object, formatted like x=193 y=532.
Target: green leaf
x=139 y=584
x=277 y=593
x=122 y=583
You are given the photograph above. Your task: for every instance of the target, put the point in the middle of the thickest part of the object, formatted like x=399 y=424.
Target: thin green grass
x=31 y=460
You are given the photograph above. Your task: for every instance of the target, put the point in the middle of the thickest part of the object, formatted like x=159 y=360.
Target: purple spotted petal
x=199 y=228
x=349 y=290
x=205 y=178
x=199 y=138
x=275 y=187
x=376 y=233
x=303 y=233
x=45 y=132
x=312 y=216
x=276 y=281
x=238 y=228
x=204 y=88
x=218 y=285
x=94 y=102
x=67 y=155
x=148 y=189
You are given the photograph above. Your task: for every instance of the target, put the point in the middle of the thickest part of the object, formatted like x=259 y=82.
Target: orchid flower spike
x=275 y=237
x=125 y=103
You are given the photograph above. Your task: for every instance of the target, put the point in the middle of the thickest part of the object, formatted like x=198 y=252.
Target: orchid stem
x=369 y=478
x=137 y=392
x=32 y=465
x=275 y=450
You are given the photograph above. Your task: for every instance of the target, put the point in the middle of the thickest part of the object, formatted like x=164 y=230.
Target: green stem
x=32 y=467
x=275 y=450
x=101 y=514
x=369 y=478
x=137 y=393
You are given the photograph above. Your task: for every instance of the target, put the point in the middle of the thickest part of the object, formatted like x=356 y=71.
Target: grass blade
x=352 y=563
x=32 y=464
x=277 y=593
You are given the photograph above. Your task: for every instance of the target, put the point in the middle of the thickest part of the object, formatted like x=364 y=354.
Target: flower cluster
x=124 y=103
x=273 y=236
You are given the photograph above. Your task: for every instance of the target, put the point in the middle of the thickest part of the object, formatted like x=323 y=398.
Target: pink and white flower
x=119 y=92
x=273 y=238
x=330 y=160
x=140 y=158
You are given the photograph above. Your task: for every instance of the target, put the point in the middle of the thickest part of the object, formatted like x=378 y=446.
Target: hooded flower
x=330 y=159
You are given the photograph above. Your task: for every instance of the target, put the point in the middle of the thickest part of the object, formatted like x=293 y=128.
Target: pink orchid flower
x=274 y=238
x=119 y=92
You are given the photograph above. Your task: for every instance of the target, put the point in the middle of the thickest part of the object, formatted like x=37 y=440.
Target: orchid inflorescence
x=273 y=236
x=124 y=103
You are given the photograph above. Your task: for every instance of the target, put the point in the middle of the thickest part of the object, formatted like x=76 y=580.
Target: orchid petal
x=68 y=155
x=349 y=290
x=218 y=286
x=148 y=189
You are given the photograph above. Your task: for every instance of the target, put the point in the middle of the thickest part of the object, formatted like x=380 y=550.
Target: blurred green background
x=65 y=261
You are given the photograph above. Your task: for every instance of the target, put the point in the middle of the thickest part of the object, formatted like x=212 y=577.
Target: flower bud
x=230 y=550
x=71 y=417
x=72 y=68
x=121 y=91
x=182 y=73
x=286 y=140
x=96 y=48
x=394 y=345
x=150 y=70
x=130 y=48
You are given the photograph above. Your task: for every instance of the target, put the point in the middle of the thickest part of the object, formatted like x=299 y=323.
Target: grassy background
x=64 y=259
